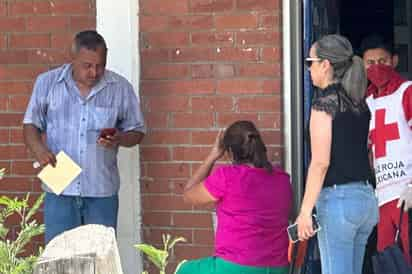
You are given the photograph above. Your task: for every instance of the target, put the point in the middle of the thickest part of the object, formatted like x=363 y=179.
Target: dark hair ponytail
x=244 y=142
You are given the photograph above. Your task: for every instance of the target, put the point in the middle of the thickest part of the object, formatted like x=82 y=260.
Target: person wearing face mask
x=389 y=98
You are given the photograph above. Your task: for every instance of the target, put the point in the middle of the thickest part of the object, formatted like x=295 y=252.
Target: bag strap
x=398 y=230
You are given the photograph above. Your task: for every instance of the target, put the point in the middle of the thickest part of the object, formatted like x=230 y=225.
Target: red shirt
x=395 y=81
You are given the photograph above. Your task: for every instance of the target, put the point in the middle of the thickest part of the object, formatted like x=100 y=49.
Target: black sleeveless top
x=350 y=127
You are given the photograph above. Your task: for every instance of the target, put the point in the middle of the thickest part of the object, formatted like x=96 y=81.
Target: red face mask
x=379 y=74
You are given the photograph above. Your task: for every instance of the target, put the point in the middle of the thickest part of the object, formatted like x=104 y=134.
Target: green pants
x=214 y=265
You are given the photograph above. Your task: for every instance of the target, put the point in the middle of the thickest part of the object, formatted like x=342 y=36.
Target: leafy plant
x=159 y=257
x=11 y=259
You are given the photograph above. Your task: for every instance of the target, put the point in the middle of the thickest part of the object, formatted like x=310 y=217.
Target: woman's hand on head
x=218 y=149
x=305 y=226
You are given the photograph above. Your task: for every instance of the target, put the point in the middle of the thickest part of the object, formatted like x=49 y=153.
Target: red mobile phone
x=106 y=132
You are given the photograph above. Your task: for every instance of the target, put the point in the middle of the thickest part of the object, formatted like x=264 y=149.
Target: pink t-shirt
x=252 y=211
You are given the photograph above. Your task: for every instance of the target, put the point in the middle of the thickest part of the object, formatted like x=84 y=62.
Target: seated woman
x=253 y=202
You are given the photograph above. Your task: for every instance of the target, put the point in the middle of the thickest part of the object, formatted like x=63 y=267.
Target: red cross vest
x=391 y=140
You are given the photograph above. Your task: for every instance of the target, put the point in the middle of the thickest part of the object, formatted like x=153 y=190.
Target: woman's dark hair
x=244 y=142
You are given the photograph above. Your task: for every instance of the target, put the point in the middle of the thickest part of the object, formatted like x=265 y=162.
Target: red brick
x=16 y=136
x=3 y=8
x=18 y=103
x=20 y=72
x=165 y=103
x=190 y=153
x=193 y=55
x=166 y=39
x=4 y=136
x=11 y=88
x=274 y=154
x=156 y=120
x=158 y=185
x=12 y=24
x=238 y=86
x=18 y=184
x=157 y=219
x=154 y=235
x=199 y=220
x=162 y=137
x=259 y=104
x=164 y=202
x=149 y=55
x=61 y=41
x=259 y=70
x=237 y=54
x=29 y=8
x=13 y=57
x=155 y=154
x=248 y=5
x=225 y=119
x=270 y=21
x=3 y=103
x=23 y=168
x=63 y=7
x=13 y=152
x=47 y=23
x=192 y=120
x=271 y=86
x=258 y=38
x=191 y=22
x=270 y=120
x=47 y=56
x=29 y=40
x=153 y=23
x=3 y=41
x=167 y=7
x=271 y=137
x=202 y=71
x=193 y=252
x=271 y=54
x=213 y=38
x=243 y=21
x=224 y=70
x=203 y=137
x=165 y=71
x=211 y=6
x=212 y=103
x=204 y=237
x=79 y=23
x=11 y=119
x=178 y=87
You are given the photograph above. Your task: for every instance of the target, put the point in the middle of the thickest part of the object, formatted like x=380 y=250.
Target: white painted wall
x=117 y=21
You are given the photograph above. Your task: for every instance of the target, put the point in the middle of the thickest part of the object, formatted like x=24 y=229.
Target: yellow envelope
x=59 y=177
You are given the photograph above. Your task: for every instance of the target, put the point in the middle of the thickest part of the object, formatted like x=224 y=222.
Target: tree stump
x=89 y=249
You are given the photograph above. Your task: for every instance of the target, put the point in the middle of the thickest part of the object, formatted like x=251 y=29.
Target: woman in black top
x=337 y=181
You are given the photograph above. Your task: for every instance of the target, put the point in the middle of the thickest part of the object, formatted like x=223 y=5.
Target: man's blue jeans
x=347 y=214
x=62 y=213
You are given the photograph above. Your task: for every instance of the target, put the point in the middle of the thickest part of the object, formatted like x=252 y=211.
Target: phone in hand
x=106 y=132
x=293 y=229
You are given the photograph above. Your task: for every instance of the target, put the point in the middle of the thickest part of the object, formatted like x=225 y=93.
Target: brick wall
x=34 y=37
x=205 y=63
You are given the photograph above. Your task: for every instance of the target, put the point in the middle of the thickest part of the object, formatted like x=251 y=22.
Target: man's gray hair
x=348 y=68
x=88 y=39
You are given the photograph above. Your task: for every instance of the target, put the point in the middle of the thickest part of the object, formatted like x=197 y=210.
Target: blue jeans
x=63 y=213
x=347 y=214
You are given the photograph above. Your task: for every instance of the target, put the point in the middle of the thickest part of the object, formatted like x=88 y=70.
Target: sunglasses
x=309 y=60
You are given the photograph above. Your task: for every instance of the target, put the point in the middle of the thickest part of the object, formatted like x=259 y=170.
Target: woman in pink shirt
x=253 y=201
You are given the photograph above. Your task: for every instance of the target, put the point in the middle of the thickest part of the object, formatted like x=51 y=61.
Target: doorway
x=356 y=19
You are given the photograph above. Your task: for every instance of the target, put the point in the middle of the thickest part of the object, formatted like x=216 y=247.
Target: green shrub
x=159 y=257
x=11 y=259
